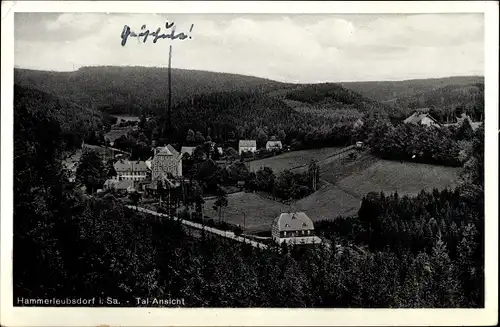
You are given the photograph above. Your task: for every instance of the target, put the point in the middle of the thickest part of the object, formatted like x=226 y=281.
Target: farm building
x=119 y=185
x=421 y=117
x=166 y=161
x=131 y=170
x=247 y=145
x=294 y=228
x=273 y=145
x=188 y=149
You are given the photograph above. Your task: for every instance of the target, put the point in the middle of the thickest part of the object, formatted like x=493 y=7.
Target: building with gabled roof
x=274 y=145
x=422 y=117
x=247 y=145
x=188 y=149
x=166 y=161
x=131 y=170
x=294 y=228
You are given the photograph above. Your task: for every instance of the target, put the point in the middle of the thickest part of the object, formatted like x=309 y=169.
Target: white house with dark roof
x=294 y=228
x=247 y=145
x=188 y=149
x=422 y=117
x=274 y=145
x=131 y=170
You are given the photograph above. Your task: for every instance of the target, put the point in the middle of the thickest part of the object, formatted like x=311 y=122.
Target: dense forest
x=425 y=251
x=385 y=91
x=132 y=90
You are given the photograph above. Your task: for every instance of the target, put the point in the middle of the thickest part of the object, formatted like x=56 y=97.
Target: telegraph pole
x=169 y=121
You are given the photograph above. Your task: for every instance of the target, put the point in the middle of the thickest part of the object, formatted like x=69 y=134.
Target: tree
x=465 y=131
x=199 y=138
x=91 y=171
x=238 y=171
x=135 y=198
x=190 y=138
x=231 y=153
x=220 y=202
x=111 y=172
x=264 y=179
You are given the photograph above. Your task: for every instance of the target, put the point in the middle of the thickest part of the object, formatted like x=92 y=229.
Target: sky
x=305 y=48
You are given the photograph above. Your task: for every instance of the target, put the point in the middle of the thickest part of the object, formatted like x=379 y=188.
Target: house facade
x=131 y=170
x=294 y=228
x=273 y=145
x=421 y=117
x=166 y=161
x=247 y=145
x=188 y=149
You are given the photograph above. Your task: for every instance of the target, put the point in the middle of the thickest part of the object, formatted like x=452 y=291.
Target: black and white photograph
x=331 y=160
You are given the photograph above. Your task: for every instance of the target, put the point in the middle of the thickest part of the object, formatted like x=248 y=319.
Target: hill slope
x=389 y=90
x=76 y=121
x=128 y=90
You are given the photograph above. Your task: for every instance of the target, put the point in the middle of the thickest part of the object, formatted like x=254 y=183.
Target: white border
x=10 y=316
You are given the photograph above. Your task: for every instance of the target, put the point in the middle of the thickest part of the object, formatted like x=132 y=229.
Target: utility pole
x=169 y=121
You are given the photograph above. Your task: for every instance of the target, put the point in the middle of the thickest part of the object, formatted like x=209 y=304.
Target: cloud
x=295 y=48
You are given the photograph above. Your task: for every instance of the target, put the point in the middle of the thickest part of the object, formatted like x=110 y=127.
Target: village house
x=247 y=145
x=461 y=119
x=131 y=170
x=294 y=228
x=422 y=117
x=188 y=149
x=166 y=161
x=273 y=145
x=119 y=185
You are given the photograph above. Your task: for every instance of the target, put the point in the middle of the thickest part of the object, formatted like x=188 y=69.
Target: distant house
x=358 y=123
x=119 y=185
x=294 y=228
x=273 y=145
x=131 y=170
x=166 y=161
x=421 y=117
x=247 y=145
x=461 y=119
x=188 y=149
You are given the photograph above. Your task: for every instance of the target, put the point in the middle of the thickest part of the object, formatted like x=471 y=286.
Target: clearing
x=405 y=178
x=293 y=159
x=260 y=212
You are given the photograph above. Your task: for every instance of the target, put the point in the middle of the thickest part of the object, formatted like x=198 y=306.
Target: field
x=405 y=178
x=343 y=187
x=293 y=159
x=260 y=212
x=327 y=203
x=114 y=134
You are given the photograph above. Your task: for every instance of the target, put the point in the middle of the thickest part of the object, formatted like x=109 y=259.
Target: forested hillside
x=76 y=122
x=226 y=117
x=130 y=90
x=331 y=97
x=389 y=90
x=402 y=252
x=444 y=96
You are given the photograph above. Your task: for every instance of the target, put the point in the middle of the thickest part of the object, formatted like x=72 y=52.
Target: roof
x=248 y=143
x=188 y=149
x=273 y=143
x=417 y=117
x=127 y=165
x=293 y=221
x=119 y=185
x=166 y=151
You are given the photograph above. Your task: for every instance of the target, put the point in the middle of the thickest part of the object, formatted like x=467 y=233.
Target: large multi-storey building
x=166 y=161
x=131 y=170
